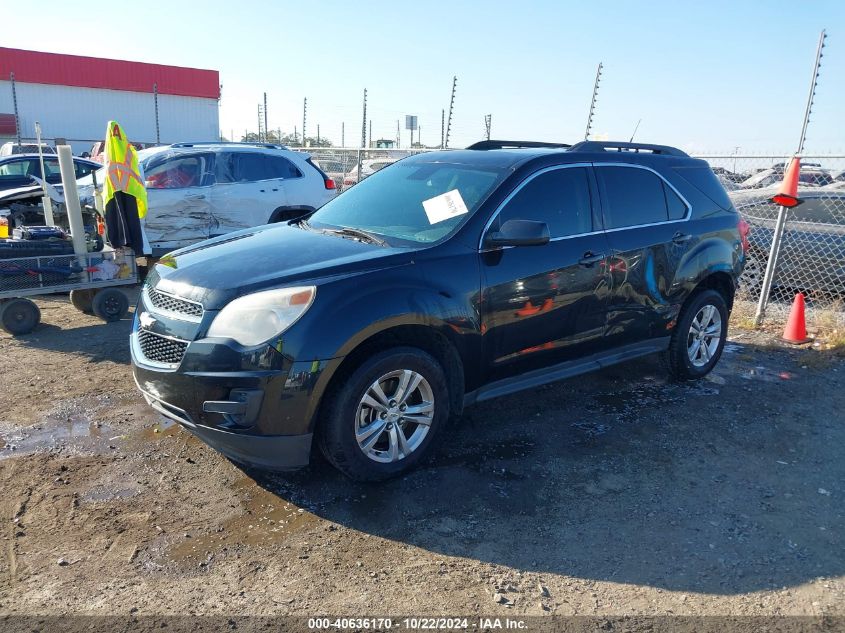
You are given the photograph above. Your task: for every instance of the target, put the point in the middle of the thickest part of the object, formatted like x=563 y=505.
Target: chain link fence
x=812 y=252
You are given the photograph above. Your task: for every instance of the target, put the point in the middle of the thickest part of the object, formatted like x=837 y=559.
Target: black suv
x=442 y=280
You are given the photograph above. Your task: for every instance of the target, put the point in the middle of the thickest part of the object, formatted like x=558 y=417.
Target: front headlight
x=257 y=318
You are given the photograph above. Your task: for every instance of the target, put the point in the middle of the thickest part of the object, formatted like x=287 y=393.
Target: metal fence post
x=771 y=266
x=359 y=165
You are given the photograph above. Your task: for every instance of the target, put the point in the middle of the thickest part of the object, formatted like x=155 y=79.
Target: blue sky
x=706 y=76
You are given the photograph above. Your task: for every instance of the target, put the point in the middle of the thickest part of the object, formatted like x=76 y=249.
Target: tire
x=110 y=304
x=19 y=316
x=346 y=412
x=685 y=360
x=82 y=300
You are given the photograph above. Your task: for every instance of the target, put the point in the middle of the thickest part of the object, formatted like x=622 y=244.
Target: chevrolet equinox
x=445 y=279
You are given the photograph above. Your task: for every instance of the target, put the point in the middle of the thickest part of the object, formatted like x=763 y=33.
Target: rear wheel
x=382 y=420
x=19 y=316
x=110 y=304
x=699 y=336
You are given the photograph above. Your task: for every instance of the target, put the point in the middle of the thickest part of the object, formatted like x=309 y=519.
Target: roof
x=110 y=74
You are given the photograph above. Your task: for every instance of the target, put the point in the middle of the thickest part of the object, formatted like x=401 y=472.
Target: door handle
x=680 y=238
x=196 y=196
x=589 y=258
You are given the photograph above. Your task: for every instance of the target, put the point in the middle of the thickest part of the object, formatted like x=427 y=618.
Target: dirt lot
x=616 y=493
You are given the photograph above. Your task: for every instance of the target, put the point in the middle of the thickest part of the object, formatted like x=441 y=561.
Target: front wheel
x=699 y=336
x=382 y=420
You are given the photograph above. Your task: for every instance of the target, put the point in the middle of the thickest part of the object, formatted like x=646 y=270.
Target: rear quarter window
x=703 y=179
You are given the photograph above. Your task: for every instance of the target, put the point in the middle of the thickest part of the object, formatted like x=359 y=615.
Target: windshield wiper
x=359 y=233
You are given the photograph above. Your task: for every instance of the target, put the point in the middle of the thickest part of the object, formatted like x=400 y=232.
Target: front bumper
x=256 y=406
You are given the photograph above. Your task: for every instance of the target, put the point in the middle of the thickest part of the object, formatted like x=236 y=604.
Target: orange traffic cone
x=796 y=328
x=787 y=195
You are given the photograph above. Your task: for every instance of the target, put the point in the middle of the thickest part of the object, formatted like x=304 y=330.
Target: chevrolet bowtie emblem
x=147 y=320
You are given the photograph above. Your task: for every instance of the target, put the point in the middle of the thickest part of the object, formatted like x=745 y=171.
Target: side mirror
x=519 y=233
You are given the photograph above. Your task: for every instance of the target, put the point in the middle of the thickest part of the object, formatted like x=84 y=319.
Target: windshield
x=416 y=202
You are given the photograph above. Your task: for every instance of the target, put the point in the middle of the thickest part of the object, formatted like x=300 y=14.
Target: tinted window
x=83 y=169
x=279 y=167
x=560 y=198
x=250 y=167
x=676 y=206
x=706 y=182
x=631 y=196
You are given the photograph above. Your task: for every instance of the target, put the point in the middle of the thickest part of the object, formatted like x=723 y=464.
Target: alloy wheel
x=704 y=336
x=394 y=416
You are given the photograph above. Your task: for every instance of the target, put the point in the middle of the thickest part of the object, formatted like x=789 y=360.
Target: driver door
x=178 y=200
x=546 y=304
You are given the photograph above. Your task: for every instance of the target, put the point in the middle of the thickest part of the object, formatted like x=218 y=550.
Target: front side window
x=411 y=202
x=560 y=198
x=631 y=197
x=175 y=171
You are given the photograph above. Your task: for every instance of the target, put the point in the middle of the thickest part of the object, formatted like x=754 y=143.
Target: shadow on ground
x=724 y=486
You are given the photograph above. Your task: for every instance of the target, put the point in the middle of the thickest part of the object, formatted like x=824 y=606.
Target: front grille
x=160 y=349
x=168 y=303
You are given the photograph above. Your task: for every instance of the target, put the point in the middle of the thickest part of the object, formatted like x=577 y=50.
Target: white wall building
x=73 y=97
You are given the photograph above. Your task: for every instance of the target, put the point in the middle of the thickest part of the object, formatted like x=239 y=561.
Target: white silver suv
x=200 y=190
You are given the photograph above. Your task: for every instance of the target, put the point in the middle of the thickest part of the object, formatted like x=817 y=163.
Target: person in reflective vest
x=124 y=194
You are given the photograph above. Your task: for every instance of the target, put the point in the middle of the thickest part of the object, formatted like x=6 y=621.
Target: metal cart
x=91 y=280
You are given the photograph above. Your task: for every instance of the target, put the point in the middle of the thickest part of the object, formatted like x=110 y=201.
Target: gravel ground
x=616 y=493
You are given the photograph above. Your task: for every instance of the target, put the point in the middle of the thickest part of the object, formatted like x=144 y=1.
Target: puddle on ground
x=628 y=405
x=266 y=519
x=77 y=431
x=766 y=375
x=72 y=427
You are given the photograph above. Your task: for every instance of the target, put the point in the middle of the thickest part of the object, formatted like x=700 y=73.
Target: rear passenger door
x=647 y=228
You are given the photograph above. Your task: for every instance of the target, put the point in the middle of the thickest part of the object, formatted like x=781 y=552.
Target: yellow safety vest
x=122 y=173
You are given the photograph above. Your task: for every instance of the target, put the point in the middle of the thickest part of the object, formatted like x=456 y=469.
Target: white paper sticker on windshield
x=445 y=206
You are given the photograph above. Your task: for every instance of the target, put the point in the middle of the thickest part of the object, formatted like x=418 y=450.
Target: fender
x=711 y=255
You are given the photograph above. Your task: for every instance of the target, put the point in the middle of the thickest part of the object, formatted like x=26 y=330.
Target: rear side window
x=560 y=198
x=279 y=167
x=250 y=167
x=819 y=210
x=676 y=206
x=631 y=196
x=703 y=179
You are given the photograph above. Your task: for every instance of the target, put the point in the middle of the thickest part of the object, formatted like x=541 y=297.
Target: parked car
x=334 y=168
x=200 y=190
x=97 y=151
x=11 y=148
x=18 y=170
x=443 y=280
x=812 y=255
x=368 y=168
x=810 y=175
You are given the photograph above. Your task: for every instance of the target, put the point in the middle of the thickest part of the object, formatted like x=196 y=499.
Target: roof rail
x=484 y=145
x=201 y=143
x=621 y=146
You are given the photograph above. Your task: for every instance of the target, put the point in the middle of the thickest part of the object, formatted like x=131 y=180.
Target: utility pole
x=442 y=127
x=364 y=122
x=304 y=116
x=371 y=134
x=593 y=102
x=295 y=136
x=488 y=123
x=398 y=134
x=266 y=129
x=155 y=100
x=259 y=123
x=318 y=135
x=15 y=106
x=451 y=109
x=343 y=134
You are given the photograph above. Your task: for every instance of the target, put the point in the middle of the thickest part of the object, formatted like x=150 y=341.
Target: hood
x=216 y=271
